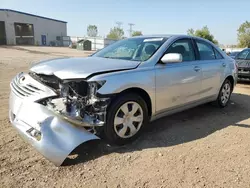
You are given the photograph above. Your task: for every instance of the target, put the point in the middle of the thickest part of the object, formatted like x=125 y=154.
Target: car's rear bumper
x=52 y=136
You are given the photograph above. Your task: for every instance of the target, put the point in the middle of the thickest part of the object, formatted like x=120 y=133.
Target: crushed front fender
x=52 y=136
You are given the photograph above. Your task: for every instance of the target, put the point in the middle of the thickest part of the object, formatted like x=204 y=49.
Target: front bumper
x=243 y=73
x=52 y=136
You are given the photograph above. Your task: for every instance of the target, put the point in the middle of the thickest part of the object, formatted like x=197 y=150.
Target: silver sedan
x=114 y=93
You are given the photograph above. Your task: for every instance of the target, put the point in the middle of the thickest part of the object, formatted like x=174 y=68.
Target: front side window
x=183 y=47
x=205 y=50
x=243 y=54
x=134 y=49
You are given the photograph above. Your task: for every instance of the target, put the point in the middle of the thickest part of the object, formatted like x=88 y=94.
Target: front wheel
x=225 y=93
x=126 y=118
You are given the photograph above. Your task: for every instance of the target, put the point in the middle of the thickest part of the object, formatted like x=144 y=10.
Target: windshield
x=243 y=54
x=134 y=49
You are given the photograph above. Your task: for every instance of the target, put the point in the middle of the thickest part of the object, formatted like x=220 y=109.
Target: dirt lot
x=201 y=147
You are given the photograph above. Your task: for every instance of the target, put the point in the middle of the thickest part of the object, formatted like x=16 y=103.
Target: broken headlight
x=94 y=86
x=78 y=101
x=80 y=89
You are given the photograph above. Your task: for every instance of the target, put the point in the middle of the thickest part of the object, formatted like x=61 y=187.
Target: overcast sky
x=151 y=17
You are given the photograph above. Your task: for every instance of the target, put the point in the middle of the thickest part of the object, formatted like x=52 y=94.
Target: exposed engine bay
x=77 y=100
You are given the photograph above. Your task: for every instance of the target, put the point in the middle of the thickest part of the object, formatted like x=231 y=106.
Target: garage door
x=2 y=33
x=24 y=33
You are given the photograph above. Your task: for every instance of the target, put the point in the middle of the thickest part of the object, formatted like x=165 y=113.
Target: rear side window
x=218 y=54
x=205 y=50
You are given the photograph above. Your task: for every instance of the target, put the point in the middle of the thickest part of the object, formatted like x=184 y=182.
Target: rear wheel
x=126 y=118
x=225 y=94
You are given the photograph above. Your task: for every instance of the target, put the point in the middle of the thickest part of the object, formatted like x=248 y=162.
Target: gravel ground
x=201 y=147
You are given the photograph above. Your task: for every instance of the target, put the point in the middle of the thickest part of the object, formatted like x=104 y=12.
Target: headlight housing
x=94 y=86
x=80 y=88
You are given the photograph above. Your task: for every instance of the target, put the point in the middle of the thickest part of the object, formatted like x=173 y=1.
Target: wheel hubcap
x=128 y=119
x=225 y=93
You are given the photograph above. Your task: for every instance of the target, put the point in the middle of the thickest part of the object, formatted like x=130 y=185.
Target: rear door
x=213 y=65
x=178 y=83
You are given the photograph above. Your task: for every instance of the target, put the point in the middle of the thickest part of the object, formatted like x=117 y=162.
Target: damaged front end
x=54 y=115
x=77 y=101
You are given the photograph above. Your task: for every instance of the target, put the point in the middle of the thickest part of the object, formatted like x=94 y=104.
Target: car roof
x=158 y=36
x=170 y=36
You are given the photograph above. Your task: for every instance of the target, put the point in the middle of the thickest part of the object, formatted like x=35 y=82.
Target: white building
x=19 y=28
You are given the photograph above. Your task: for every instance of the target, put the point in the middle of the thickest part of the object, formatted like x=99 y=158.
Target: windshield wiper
x=111 y=57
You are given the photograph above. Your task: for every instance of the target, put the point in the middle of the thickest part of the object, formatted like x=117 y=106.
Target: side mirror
x=172 y=58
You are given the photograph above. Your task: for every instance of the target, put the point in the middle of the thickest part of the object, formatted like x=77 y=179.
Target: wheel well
x=231 y=79
x=143 y=94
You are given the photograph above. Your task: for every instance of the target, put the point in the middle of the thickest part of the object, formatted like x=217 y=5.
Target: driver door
x=178 y=84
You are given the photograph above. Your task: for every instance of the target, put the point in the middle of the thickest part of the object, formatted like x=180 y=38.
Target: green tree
x=116 y=33
x=203 y=33
x=190 y=32
x=92 y=31
x=244 y=35
x=136 y=33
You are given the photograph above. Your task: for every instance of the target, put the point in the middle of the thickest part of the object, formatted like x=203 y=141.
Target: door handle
x=197 y=68
x=223 y=64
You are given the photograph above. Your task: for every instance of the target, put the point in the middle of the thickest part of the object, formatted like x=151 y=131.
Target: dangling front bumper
x=54 y=137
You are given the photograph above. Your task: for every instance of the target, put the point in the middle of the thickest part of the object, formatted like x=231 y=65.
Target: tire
x=226 y=91
x=120 y=128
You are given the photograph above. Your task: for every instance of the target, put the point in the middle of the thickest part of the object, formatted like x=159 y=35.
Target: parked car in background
x=114 y=93
x=243 y=63
x=234 y=54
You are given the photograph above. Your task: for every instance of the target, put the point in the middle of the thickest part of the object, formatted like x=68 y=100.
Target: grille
x=244 y=69
x=23 y=89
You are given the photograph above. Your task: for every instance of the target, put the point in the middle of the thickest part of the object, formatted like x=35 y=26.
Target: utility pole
x=119 y=24
x=130 y=29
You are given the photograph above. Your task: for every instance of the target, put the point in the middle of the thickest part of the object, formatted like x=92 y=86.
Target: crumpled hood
x=70 y=68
